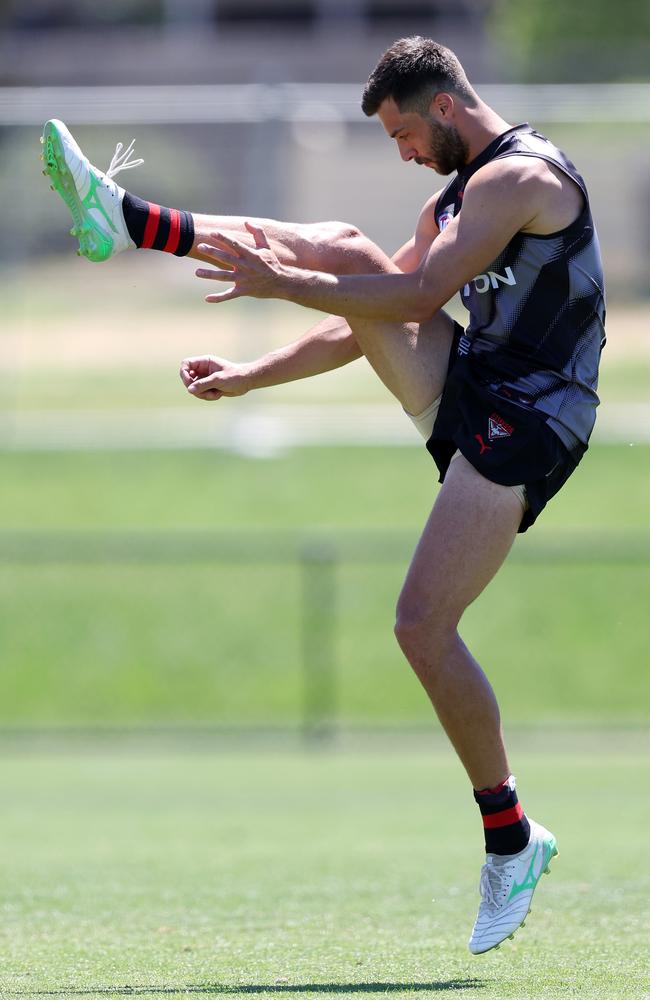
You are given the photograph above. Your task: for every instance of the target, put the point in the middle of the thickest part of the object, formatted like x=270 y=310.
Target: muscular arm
x=328 y=345
x=501 y=199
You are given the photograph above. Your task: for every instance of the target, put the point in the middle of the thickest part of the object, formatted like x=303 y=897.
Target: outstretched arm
x=500 y=200
x=328 y=345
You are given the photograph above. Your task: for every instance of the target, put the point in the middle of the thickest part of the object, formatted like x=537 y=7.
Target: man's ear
x=442 y=105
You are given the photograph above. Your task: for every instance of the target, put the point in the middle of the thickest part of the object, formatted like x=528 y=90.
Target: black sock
x=153 y=227
x=505 y=826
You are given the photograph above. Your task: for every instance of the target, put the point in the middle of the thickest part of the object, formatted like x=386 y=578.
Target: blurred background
x=167 y=565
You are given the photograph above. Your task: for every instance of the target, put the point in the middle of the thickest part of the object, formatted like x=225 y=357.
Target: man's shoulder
x=512 y=176
x=510 y=167
x=539 y=192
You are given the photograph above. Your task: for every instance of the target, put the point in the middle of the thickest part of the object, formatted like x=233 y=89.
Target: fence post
x=318 y=564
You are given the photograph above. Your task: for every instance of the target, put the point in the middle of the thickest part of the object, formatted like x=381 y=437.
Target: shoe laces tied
x=493 y=884
x=121 y=159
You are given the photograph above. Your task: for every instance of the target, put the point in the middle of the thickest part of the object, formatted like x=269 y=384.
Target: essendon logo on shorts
x=498 y=427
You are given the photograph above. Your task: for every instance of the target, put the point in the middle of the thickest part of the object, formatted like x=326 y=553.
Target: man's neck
x=481 y=125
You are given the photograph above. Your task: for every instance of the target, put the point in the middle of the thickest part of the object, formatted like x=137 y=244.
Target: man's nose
x=407 y=153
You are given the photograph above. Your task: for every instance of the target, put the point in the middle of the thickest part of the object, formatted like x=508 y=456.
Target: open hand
x=208 y=377
x=253 y=271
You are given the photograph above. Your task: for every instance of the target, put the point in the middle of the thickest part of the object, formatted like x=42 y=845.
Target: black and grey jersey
x=537 y=314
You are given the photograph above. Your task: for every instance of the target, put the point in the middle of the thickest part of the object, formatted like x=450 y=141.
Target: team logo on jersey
x=484 y=282
x=498 y=428
x=446 y=216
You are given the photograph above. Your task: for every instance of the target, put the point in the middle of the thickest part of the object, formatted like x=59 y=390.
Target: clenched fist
x=209 y=377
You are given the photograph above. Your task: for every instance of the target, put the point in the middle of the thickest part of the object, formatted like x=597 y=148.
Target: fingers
x=228 y=261
x=199 y=375
x=198 y=367
x=231 y=293
x=222 y=243
x=189 y=371
x=258 y=234
x=187 y=376
x=206 y=394
x=203 y=376
x=205 y=388
x=250 y=271
x=227 y=248
x=220 y=256
x=214 y=274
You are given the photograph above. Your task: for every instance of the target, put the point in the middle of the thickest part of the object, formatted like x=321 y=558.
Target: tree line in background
x=558 y=41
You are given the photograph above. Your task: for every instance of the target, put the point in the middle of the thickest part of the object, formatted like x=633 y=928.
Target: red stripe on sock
x=174 y=237
x=151 y=228
x=492 y=791
x=504 y=818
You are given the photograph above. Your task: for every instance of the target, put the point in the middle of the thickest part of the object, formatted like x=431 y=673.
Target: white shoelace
x=492 y=884
x=121 y=159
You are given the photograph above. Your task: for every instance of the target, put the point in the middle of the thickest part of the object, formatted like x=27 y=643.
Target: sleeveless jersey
x=537 y=314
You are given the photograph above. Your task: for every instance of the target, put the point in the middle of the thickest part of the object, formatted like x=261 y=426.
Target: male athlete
x=506 y=406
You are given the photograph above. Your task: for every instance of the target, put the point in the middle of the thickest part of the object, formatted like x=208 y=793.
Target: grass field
x=165 y=588
x=70 y=342
x=269 y=872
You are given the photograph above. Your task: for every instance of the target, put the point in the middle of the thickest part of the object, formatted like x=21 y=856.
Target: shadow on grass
x=218 y=989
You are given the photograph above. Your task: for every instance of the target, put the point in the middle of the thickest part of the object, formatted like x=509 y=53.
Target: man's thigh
x=467 y=537
x=410 y=359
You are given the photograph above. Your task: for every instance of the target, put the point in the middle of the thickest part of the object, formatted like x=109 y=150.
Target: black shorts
x=507 y=442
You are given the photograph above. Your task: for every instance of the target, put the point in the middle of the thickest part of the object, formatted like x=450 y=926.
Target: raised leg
x=108 y=220
x=411 y=359
x=334 y=247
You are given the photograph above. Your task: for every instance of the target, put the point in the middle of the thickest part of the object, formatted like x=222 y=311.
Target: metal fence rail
x=308 y=102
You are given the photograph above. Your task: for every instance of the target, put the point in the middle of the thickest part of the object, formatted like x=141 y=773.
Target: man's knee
x=342 y=248
x=423 y=629
x=340 y=233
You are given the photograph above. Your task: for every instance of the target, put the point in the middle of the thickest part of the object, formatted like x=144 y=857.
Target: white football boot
x=507 y=885
x=93 y=197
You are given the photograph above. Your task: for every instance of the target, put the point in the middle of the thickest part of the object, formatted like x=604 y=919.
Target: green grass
x=160 y=588
x=140 y=388
x=75 y=345
x=269 y=872
x=625 y=380
x=338 y=489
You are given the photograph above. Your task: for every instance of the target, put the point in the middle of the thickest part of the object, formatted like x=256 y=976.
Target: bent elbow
x=424 y=302
x=423 y=310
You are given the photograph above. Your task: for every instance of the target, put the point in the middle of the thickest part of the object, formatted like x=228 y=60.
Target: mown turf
x=160 y=588
x=270 y=872
x=333 y=488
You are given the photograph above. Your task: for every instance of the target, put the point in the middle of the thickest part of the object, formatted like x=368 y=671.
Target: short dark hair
x=411 y=71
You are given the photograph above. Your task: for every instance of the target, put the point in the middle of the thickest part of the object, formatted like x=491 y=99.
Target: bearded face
x=447 y=150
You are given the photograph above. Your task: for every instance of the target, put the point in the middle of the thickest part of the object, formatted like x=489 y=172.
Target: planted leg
x=466 y=539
